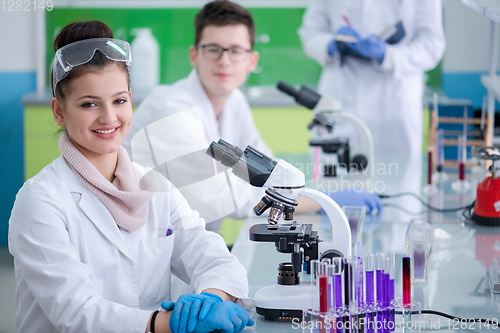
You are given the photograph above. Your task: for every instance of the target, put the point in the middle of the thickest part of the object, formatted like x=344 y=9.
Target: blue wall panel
x=12 y=87
x=465 y=86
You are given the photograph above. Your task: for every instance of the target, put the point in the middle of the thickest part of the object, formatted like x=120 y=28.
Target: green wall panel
x=284 y=129
x=40 y=139
x=281 y=59
x=174 y=31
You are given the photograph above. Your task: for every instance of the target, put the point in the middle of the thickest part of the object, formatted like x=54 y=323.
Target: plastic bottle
x=145 y=72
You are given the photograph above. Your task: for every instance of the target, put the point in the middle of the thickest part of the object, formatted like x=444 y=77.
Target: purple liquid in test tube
x=390 y=262
x=385 y=278
x=337 y=283
x=381 y=287
x=370 y=291
x=358 y=276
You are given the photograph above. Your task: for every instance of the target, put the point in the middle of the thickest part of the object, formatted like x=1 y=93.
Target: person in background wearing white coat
x=208 y=106
x=377 y=78
x=92 y=251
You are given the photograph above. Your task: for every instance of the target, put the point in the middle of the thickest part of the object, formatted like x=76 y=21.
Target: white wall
x=467 y=38
x=467 y=35
x=17 y=40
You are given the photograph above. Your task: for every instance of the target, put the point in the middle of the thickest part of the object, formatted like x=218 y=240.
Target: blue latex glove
x=352 y=198
x=348 y=31
x=189 y=309
x=370 y=47
x=226 y=317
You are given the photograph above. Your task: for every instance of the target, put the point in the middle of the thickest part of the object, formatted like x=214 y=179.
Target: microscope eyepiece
x=305 y=96
x=287 y=89
x=224 y=152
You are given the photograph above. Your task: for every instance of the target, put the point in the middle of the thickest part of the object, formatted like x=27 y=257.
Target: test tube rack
x=359 y=311
x=368 y=319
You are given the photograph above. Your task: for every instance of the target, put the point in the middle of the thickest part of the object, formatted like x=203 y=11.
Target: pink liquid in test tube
x=461 y=170
x=406 y=282
x=462 y=151
x=323 y=294
x=440 y=150
x=429 y=165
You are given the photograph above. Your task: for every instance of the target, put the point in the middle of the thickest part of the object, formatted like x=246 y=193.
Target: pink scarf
x=126 y=202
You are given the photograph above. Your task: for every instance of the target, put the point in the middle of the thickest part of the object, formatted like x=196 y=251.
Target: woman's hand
x=189 y=310
x=226 y=317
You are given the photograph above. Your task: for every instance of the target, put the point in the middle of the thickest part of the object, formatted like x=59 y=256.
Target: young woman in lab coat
x=92 y=251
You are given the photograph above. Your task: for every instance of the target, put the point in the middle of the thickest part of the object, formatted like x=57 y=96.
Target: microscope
x=284 y=184
x=326 y=111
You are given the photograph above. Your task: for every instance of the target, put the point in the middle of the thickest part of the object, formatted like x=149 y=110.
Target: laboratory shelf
x=480 y=6
x=493 y=13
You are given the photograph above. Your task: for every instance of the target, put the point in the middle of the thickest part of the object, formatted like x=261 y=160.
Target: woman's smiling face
x=97 y=110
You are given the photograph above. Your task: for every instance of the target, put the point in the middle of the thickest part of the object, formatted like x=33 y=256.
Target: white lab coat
x=76 y=271
x=387 y=96
x=172 y=129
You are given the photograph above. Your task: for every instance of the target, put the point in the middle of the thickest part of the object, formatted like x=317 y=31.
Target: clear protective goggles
x=81 y=52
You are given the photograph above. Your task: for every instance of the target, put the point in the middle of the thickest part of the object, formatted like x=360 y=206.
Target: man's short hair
x=222 y=13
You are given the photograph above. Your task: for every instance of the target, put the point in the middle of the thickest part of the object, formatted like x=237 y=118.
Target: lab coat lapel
x=95 y=210
x=92 y=207
x=206 y=108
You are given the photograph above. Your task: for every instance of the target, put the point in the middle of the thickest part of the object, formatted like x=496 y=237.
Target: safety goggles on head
x=81 y=52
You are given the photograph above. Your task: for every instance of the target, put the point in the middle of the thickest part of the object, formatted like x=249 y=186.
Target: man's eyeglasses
x=215 y=52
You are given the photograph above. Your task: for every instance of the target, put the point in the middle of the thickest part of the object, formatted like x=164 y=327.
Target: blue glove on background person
x=189 y=309
x=335 y=45
x=370 y=47
x=225 y=316
x=367 y=48
x=352 y=198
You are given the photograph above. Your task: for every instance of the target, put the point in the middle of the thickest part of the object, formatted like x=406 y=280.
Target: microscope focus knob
x=360 y=161
x=331 y=254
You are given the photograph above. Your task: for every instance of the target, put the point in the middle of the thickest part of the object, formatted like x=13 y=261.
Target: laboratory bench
x=458 y=281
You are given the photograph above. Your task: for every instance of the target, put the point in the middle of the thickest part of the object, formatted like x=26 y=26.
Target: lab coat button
x=122 y=255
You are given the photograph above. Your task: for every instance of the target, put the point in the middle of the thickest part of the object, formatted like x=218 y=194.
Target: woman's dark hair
x=222 y=13
x=75 y=32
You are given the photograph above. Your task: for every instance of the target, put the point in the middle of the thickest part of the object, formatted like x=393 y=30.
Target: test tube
x=358 y=276
x=430 y=151
x=391 y=262
x=440 y=150
x=381 y=286
x=314 y=284
x=462 y=156
x=353 y=300
x=406 y=292
x=348 y=283
x=390 y=270
x=370 y=291
x=337 y=283
x=317 y=152
x=380 y=265
x=324 y=277
x=406 y=282
x=328 y=261
x=350 y=305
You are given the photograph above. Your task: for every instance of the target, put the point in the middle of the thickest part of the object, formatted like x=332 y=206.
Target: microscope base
x=279 y=301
